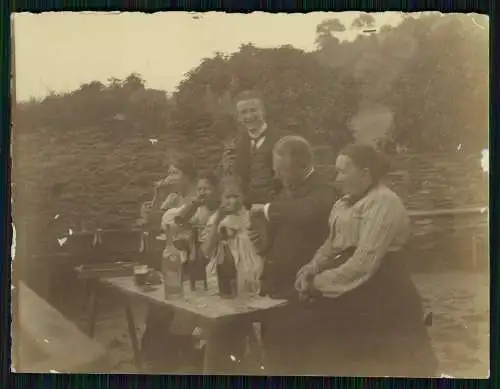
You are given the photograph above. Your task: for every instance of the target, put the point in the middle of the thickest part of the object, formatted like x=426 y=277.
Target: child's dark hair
x=210 y=176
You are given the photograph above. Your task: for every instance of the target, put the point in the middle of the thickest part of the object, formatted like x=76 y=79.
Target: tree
x=431 y=72
x=363 y=21
x=297 y=90
x=325 y=33
x=134 y=82
x=445 y=81
x=413 y=69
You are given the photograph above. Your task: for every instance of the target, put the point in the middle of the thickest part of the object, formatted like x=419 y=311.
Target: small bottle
x=194 y=269
x=227 y=274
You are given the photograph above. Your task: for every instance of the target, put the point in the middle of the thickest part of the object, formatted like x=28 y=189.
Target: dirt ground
x=460 y=328
x=461 y=321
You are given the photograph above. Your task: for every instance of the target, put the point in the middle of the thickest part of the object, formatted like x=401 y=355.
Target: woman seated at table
x=159 y=345
x=372 y=322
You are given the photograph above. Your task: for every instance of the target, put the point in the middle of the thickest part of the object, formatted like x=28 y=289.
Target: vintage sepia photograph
x=251 y=194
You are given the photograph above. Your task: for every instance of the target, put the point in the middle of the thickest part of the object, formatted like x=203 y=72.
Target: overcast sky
x=59 y=51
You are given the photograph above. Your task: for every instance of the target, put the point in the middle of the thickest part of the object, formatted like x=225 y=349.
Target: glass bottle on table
x=226 y=270
x=172 y=275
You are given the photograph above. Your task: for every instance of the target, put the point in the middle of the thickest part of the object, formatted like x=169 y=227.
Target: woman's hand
x=305 y=278
x=308 y=271
x=301 y=285
x=305 y=284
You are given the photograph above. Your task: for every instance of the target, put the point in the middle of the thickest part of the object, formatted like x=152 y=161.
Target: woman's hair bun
x=367 y=157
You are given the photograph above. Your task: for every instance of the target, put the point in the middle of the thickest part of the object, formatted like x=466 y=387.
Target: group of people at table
x=294 y=237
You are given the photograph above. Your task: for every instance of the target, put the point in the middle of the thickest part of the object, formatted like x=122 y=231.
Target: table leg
x=133 y=336
x=93 y=310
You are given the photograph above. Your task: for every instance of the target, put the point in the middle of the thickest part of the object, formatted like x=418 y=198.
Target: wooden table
x=205 y=308
x=91 y=275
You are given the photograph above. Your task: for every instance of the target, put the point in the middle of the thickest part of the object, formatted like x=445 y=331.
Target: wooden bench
x=448 y=212
x=49 y=342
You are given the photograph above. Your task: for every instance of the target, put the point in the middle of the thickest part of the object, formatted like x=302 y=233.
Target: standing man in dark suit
x=249 y=157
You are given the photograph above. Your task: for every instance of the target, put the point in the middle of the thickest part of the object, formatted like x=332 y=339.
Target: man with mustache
x=249 y=157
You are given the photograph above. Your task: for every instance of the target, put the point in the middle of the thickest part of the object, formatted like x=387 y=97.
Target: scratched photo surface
x=274 y=194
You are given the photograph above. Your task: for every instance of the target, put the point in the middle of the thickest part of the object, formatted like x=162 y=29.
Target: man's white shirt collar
x=257 y=143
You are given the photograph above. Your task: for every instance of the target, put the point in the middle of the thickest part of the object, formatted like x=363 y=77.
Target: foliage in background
x=107 y=143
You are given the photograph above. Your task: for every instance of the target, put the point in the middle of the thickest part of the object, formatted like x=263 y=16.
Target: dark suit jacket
x=298 y=226
x=242 y=165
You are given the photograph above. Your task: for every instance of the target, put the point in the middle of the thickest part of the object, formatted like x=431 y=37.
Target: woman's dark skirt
x=376 y=330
